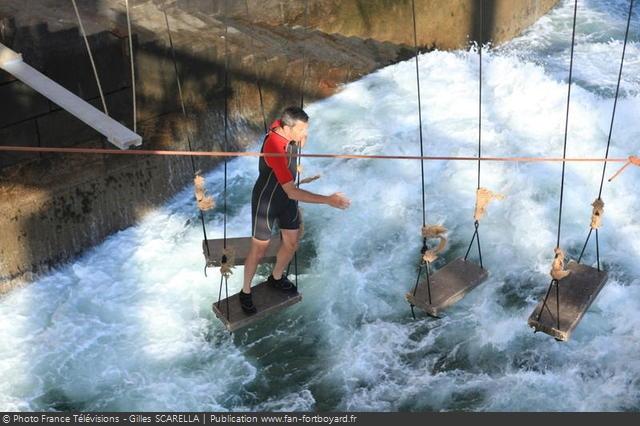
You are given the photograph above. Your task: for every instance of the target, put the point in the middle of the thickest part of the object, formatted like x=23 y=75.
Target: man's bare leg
x=287 y=250
x=256 y=252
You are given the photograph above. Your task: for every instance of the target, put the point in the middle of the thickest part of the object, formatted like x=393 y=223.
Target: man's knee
x=291 y=241
x=259 y=248
x=291 y=245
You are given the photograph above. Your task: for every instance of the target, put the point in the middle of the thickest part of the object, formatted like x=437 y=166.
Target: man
x=275 y=197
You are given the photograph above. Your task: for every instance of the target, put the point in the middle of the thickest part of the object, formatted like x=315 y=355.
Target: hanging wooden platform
x=577 y=293
x=266 y=299
x=448 y=285
x=241 y=247
x=115 y=132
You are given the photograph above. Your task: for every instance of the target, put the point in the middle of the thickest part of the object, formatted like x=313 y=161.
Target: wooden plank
x=577 y=292
x=449 y=284
x=266 y=299
x=241 y=247
x=115 y=132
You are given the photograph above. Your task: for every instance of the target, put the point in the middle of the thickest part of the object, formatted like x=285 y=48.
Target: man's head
x=295 y=123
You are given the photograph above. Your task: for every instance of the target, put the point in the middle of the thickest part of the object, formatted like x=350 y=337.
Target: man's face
x=298 y=132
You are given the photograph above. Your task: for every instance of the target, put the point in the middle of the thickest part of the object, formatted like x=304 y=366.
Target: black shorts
x=269 y=203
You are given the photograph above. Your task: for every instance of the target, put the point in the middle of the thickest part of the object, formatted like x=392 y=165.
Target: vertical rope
x=184 y=114
x=606 y=156
x=424 y=203
x=564 y=154
x=480 y=88
x=299 y=149
x=302 y=84
x=304 y=68
x=226 y=116
x=257 y=72
x=615 y=101
x=133 y=70
x=566 y=124
x=476 y=233
x=93 y=64
x=415 y=46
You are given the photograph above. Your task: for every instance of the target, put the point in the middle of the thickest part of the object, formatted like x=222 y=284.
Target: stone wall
x=53 y=206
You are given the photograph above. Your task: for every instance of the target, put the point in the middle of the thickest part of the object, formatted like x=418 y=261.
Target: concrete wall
x=54 y=206
x=441 y=24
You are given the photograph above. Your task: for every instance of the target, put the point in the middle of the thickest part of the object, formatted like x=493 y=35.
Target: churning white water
x=128 y=325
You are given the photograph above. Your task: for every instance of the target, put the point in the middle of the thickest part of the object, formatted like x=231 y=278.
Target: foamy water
x=128 y=326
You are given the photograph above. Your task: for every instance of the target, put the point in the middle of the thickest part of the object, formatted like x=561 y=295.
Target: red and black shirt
x=283 y=167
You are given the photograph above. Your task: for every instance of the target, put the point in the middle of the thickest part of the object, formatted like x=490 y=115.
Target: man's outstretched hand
x=339 y=201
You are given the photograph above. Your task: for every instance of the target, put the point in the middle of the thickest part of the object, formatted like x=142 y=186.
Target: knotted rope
x=596 y=214
x=434 y=231
x=557 y=267
x=205 y=202
x=228 y=262
x=483 y=198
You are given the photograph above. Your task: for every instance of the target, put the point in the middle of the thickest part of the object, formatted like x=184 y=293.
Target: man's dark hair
x=293 y=114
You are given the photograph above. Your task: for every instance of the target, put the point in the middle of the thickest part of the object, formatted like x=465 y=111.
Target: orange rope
x=339 y=156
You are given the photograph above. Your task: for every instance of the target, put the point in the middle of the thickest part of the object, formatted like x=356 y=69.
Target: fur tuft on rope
x=557 y=267
x=483 y=198
x=228 y=262
x=434 y=231
x=205 y=202
x=597 y=212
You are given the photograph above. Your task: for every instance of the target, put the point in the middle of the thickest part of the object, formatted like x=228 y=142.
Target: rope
x=598 y=204
x=304 y=67
x=184 y=114
x=566 y=123
x=615 y=99
x=257 y=72
x=309 y=179
x=415 y=46
x=427 y=256
x=557 y=268
x=631 y=160
x=299 y=148
x=133 y=70
x=228 y=262
x=480 y=87
x=483 y=198
x=205 y=202
x=93 y=64
x=596 y=213
x=226 y=118
x=179 y=84
x=179 y=153
x=228 y=256
x=434 y=231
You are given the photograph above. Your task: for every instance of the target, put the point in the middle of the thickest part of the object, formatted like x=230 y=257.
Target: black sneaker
x=282 y=284
x=246 y=303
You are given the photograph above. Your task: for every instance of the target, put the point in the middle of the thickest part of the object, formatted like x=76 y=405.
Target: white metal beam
x=116 y=133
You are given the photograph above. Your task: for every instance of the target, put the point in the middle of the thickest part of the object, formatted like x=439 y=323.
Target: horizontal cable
x=338 y=156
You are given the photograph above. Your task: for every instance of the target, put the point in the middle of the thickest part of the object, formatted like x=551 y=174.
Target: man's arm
x=337 y=200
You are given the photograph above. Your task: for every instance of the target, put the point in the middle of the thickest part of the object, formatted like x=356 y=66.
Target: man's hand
x=339 y=201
